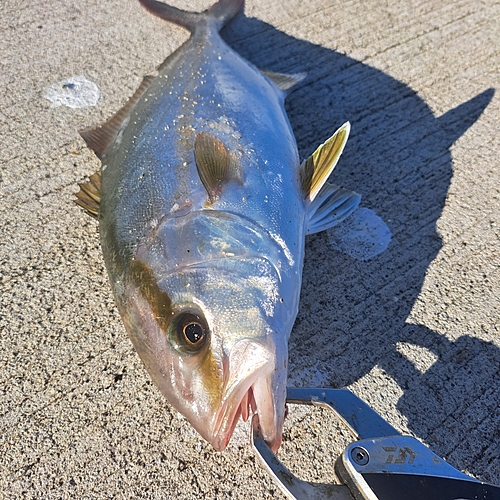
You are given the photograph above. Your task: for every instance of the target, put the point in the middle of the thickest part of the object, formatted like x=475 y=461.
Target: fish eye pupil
x=193 y=332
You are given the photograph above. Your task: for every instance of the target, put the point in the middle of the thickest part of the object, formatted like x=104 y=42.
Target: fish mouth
x=248 y=392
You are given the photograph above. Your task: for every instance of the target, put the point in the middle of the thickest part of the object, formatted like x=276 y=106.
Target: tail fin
x=223 y=11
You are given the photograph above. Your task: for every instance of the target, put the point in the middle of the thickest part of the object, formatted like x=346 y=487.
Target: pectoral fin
x=215 y=163
x=315 y=171
x=331 y=206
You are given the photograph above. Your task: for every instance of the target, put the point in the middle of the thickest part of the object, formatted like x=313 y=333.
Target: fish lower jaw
x=228 y=418
x=255 y=401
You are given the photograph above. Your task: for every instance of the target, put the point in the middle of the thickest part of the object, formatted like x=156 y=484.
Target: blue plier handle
x=380 y=464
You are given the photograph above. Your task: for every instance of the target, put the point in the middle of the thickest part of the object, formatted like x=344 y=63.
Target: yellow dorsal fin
x=89 y=195
x=314 y=171
x=215 y=163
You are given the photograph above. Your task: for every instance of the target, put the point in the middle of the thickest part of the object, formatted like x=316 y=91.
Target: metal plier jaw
x=381 y=464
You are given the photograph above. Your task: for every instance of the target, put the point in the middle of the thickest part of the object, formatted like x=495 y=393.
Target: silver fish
x=203 y=208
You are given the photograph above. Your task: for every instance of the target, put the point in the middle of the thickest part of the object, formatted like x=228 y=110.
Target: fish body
x=204 y=207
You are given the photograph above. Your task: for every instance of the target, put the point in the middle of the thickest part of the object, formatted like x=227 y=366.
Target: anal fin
x=89 y=196
x=331 y=206
x=99 y=137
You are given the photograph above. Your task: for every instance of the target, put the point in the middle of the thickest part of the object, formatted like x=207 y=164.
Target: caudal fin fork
x=223 y=11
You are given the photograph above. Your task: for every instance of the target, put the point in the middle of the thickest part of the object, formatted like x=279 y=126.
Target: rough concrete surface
x=413 y=331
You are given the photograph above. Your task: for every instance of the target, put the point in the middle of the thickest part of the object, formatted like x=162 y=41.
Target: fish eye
x=188 y=332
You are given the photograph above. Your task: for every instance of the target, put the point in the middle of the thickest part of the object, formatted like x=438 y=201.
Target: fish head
x=211 y=335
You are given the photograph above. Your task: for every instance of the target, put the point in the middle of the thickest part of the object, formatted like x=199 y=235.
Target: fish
x=203 y=208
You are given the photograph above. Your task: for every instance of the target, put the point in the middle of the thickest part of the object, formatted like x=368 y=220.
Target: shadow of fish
x=203 y=207
x=354 y=315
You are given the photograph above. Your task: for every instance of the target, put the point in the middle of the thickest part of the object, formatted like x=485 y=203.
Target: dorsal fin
x=89 y=196
x=215 y=163
x=315 y=171
x=282 y=80
x=99 y=137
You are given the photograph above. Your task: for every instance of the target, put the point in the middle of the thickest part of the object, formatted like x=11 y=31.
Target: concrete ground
x=414 y=331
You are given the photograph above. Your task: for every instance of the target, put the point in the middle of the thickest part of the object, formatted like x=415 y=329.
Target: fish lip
x=243 y=393
x=222 y=433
